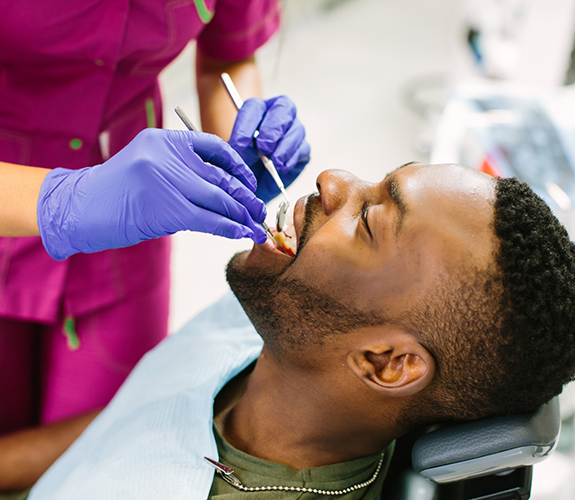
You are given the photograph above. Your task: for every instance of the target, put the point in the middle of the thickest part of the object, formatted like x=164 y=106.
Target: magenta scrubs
x=78 y=80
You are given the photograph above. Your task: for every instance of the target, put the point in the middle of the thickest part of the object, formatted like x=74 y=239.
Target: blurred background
x=379 y=83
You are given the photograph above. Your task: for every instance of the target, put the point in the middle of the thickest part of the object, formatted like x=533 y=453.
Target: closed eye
x=364 y=221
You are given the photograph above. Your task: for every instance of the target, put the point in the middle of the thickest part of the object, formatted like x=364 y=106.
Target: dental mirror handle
x=232 y=90
x=268 y=164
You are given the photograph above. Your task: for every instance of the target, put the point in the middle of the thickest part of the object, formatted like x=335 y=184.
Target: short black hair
x=503 y=337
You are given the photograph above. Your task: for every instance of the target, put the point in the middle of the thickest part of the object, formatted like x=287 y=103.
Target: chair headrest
x=487 y=446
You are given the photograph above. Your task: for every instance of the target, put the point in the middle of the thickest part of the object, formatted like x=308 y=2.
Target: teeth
x=287 y=238
x=289 y=218
x=289 y=228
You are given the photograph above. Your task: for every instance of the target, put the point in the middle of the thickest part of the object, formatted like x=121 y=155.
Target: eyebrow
x=392 y=185
x=404 y=165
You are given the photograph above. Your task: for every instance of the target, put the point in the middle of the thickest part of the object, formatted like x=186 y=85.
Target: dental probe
x=270 y=167
x=271 y=235
x=188 y=123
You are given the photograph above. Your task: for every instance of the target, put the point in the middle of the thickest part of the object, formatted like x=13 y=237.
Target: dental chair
x=489 y=459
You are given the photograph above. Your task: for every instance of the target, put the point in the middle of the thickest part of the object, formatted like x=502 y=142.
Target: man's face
x=367 y=253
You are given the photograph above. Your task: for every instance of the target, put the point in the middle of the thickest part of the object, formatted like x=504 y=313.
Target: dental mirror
x=281 y=216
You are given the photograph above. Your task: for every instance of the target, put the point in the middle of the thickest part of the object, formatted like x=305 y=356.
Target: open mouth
x=287 y=238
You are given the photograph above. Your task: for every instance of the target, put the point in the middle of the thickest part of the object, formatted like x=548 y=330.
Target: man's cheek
x=363 y=280
x=326 y=271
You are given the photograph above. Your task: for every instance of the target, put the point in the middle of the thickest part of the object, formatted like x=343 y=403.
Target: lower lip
x=299 y=211
x=270 y=246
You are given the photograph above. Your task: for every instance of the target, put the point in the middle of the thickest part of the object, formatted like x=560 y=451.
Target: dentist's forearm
x=25 y=455
x=216 y=109
x=19 y=190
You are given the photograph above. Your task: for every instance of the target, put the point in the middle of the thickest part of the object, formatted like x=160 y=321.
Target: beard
x=289 y=312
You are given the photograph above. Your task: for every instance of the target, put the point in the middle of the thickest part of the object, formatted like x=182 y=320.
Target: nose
x=335 y=187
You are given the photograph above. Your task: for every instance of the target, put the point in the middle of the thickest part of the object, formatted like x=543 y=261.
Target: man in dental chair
x=440 y=294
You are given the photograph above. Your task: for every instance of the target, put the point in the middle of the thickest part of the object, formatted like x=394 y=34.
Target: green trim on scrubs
x=150 y=113
x=203 y=12
x=254 y=471
x=69 y=330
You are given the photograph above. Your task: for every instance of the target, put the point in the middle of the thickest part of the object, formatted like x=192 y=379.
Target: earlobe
x=398 y=370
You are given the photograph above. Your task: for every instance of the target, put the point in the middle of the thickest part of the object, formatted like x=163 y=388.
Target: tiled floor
x=345 y=66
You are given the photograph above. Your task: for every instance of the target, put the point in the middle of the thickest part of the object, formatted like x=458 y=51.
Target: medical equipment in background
x=523 y=41
x=508 y=130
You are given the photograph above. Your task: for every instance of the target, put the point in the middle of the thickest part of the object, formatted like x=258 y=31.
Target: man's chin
x=250 y=267
x=255 y=287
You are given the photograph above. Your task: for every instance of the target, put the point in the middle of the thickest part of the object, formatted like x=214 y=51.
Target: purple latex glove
x=281 y=137
x=157 y=185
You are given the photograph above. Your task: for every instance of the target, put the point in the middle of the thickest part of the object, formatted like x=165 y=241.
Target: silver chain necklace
x=227 y=474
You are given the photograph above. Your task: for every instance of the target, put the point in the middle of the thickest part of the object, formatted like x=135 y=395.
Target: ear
x=399 y=366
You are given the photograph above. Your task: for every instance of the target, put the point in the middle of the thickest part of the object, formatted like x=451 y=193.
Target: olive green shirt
x=21 y=495
x=252 y=472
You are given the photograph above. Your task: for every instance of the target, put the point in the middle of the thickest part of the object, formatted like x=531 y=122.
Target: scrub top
x=78 y=81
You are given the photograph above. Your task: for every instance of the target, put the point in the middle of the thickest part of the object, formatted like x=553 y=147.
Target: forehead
x=454 y=182
x=451 y=208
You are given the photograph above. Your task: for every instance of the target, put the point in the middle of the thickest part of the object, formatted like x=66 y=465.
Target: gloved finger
x=215 y=151
x=300 y=159
x=182 y=214
x=278 y=119
x=288 y=146
x=247 y=122
x=221 y=226
x=230 y=185
x=185 y=180
x=214 y=199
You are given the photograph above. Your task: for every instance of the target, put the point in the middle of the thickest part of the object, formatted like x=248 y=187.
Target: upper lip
x=298 y=216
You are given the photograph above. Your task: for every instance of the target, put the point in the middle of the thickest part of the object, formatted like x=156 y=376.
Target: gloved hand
x=281 y=137
x=157 y=185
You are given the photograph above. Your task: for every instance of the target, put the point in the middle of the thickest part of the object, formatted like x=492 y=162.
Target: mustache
x=313 y=207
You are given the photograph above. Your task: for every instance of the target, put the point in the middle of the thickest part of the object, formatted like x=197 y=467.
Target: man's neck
x=288 y=417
